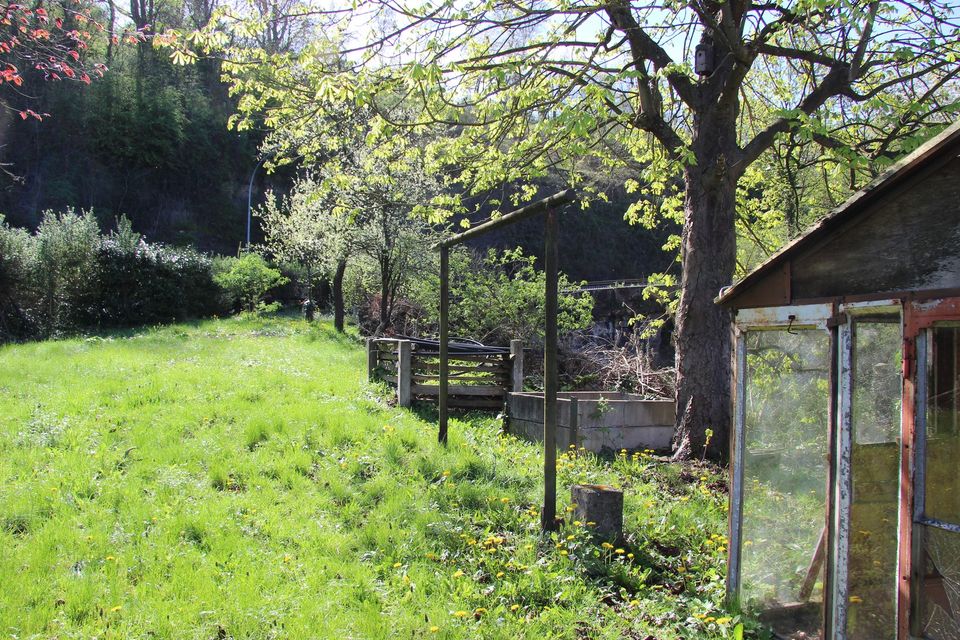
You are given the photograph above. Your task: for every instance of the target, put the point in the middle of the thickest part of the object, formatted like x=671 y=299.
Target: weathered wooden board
x=460 y=390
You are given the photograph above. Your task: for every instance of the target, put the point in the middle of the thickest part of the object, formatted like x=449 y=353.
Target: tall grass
x=239 y=479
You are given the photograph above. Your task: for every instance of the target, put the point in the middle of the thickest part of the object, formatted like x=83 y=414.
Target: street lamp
x=250 y=196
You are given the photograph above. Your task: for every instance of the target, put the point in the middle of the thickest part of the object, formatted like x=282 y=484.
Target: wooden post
x=403 y=372
x=444 y=337
x=574 y=423
x=548 y=515
x=516 y=357
x=372 y=358
x=601 y=504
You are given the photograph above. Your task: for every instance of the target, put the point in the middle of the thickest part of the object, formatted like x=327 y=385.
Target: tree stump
x=602 y=505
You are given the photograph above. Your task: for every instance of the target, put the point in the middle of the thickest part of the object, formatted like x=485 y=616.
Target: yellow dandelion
x=724 y=620
x=564 y=553
x=607 y=545
x=514 y=607
x=619 y=551
x=504 y=500
x=458 y=573
x=460 y=614
x=434 y=629
x=116 y=608
x=500 y=574
x=397 y=565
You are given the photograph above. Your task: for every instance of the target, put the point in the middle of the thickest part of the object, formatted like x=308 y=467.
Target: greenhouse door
x=867 y=492
x=934 y=598
x=781 y=444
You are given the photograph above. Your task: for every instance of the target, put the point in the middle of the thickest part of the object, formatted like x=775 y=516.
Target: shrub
x=17 y=258
x=68 y=276
x=500 y=297
x=67 y=245
x=144 y=283
x=248 y=280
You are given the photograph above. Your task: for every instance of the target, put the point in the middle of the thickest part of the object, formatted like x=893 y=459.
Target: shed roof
x=868 y=227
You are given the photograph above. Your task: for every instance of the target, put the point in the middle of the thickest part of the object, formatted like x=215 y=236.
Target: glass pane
x=872 y=559
x=940 y=571
x=940 y=589
x=785 y=475
x=943 y=434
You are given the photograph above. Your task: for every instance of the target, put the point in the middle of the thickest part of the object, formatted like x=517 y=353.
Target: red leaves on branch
x=52 y=45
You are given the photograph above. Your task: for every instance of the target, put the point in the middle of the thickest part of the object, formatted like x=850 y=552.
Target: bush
x=66 y=269
x=17 y=258
x=67 y=276
x=146 y=284
x=500 y=297
x=248 y=280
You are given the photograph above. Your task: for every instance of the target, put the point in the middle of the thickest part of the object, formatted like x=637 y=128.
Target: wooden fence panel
x=477 y=380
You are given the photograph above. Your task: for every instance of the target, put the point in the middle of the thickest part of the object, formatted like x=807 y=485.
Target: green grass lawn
x=240 y=479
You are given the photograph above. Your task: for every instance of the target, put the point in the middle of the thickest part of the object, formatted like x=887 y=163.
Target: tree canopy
x=521 y=88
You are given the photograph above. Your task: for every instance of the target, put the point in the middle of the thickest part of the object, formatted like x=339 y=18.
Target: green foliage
x=68 y=276
x=67 y=268
x=500 y=297
x=17 y=259
x=248 y=279
x=303 y=230
x=178 y=508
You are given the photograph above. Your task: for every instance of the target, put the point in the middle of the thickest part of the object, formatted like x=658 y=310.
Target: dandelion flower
x=458 y=573
x=460 y=614
x=434 y=629
x=397 y=565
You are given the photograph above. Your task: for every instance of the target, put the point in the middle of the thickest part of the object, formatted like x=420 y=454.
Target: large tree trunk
x=338 y=295
x=703 y=329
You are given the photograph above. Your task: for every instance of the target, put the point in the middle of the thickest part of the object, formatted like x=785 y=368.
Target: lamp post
x=250 y=196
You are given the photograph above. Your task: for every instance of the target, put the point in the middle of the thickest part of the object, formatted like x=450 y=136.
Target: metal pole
x=250 y=196
x=550 y=383
x=444 y=337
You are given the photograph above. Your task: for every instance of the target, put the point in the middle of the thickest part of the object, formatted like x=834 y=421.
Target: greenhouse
x=845 y=491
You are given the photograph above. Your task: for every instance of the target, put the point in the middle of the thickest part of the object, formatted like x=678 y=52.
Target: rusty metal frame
x=919 y=318
x=841 y=455
x=735 y=516
x=842 y=491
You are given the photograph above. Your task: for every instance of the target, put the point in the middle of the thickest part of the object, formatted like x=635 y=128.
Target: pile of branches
x=595 y=365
